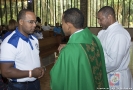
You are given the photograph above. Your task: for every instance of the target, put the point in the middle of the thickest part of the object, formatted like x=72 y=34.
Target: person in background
x=0 y=34
x=4 y=29
x=0 y=30
x=57 y=29
x=19 y=58
x=80 y=65
x=116 y=43
x=38 y=21
x=38 y=32
x=11 y=27
x=46 y=27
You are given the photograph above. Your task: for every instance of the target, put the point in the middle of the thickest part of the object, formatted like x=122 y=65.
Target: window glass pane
x=19 y=4
x=0 y=12
x=51 y=10
x=38 y=8
x=25 y=5
x=58 y=12
x=14 y=10
x=35 y=6
x=8 y=11
x=3 y=7
x=131 y=14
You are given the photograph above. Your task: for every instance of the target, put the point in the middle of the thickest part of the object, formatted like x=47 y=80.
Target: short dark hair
x=12 y=24
x=74 y=16
x=37 y=26
x=107 y=10
x=38 y=19
x=22 y=14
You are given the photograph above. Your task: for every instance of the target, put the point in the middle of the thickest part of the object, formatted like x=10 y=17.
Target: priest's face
x=65 y=28
x=103 y=20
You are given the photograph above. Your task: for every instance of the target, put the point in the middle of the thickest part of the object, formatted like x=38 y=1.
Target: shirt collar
x=77 y=32
x=22 y=36
x=112 y=25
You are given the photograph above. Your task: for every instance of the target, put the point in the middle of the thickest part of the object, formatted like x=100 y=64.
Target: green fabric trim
x=103 y=62
x=88 y=65
x=94 y=57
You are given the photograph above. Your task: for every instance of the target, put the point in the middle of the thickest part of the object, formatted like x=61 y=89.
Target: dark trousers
x=3 y=85
x=35 y=85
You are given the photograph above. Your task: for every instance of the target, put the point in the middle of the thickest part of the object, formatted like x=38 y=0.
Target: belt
x=23 y=82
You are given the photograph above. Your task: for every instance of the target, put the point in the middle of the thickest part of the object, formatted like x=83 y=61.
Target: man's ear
x=20 y=21
x=109 y=16
x=69 y=24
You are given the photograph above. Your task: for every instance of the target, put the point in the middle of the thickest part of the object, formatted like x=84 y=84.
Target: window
x=123 y=10
x=48 y=10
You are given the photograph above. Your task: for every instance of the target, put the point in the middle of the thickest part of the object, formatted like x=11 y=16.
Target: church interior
x=49 y=13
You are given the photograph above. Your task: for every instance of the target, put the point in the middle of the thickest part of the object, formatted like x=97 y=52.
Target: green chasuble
x=80 y=65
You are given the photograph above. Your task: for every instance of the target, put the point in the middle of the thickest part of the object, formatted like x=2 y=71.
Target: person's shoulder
x=71 y=48
x=54 y=28
x=43 y=26
x=11 y=39
x=119 y=30
x=14 y=40
x=100 y=32
x=10 y=36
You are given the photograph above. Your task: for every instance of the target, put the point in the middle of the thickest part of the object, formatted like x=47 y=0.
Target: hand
x=61 y=46
x=43 y=70
x=38 y=72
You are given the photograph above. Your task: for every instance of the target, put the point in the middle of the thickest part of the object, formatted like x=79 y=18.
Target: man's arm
x=115 y=52
x=9 y=71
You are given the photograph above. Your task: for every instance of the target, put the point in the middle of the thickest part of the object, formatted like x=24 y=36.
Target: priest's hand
x=61 y=46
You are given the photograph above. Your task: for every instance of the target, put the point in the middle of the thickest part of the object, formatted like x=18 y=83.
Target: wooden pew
x=49 y=45
x=48 y=33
